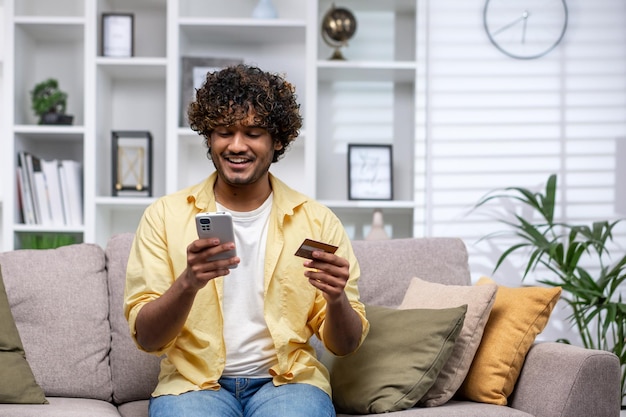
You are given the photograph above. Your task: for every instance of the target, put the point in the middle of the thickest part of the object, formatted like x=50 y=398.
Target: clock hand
x=516 y=21
x=525 y=15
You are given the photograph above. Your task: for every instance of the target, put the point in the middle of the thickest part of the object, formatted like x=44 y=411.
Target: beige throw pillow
x=479 y=300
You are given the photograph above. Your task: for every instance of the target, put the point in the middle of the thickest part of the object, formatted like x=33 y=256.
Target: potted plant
x=576 y=257
x=49 y=103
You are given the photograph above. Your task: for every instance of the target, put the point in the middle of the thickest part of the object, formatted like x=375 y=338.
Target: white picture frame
x=370 y=172
x=131 y=157
x=118 y=35
x=194 y=71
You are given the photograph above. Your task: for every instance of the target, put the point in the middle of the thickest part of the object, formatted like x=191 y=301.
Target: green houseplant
x=575 y=257
x=49 y=103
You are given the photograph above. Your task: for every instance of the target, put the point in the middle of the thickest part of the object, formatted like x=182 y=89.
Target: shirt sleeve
x=148 y=273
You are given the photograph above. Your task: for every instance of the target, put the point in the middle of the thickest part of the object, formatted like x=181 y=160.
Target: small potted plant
x=49 y=103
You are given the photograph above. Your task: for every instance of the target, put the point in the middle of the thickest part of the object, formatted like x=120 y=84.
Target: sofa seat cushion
x=456 y=409
x=59 y=300
x=61 y=407
x=398 y=361
x=134 y=408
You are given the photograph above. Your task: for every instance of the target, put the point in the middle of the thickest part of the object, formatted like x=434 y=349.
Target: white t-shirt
x=250 y=350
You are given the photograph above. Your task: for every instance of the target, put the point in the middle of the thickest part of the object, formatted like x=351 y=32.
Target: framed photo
x=131 y=163
x=118 y=34
x=194 y=71
x=370 y=172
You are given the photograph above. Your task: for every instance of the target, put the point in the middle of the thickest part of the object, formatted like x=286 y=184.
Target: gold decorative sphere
x=338 y=26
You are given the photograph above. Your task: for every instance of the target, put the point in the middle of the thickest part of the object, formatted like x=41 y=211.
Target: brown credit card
x=308 y=246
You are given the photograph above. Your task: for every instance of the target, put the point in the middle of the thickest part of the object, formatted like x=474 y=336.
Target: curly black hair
x=228 y=95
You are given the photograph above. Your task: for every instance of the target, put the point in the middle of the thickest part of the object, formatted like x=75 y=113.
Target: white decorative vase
x=377 y=232
x=265 y=10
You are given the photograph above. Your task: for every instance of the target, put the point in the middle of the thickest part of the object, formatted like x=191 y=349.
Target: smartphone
x=220 y=225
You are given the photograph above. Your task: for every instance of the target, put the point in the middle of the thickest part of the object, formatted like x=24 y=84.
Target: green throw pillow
x=398 y=362
x=17 y=382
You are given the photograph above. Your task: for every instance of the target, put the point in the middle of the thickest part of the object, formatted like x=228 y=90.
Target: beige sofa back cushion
x=387 y=266
x=66 y=343
x=135 y=373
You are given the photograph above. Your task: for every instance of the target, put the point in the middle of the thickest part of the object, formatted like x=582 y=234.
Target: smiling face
x=242 y=153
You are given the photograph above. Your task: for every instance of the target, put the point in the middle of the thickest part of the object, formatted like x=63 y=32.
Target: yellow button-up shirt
x=294 y=310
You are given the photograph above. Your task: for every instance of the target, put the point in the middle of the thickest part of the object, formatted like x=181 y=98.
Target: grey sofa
x=67 y=304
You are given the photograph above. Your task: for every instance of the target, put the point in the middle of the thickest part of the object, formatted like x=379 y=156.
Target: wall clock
x=525 y=29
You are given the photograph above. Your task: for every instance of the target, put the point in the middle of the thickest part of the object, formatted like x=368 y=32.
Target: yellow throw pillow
x=517 y=317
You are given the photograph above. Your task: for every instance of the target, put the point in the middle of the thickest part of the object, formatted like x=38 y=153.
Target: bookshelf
x=369 y=98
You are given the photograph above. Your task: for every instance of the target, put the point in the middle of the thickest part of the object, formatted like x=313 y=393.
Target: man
x=236 y=340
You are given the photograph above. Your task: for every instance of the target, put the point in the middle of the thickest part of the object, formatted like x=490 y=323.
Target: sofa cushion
x=134 y=372
x=398 y=361
x=59 y=300
x=387 y=266
x=17 y=382
x=62 y=407
x=517 y=317
x=479 y=300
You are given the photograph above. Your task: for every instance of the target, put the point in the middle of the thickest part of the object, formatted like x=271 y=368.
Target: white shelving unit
x=369 y=98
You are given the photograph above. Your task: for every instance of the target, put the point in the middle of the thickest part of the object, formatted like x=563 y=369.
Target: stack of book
x=50 y=191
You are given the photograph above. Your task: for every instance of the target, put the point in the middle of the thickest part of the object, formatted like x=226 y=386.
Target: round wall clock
x=525 y=29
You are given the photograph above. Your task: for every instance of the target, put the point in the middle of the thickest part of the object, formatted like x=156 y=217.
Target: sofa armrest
x=564 y=380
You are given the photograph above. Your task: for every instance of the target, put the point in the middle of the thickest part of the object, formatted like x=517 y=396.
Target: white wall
x=486 y=121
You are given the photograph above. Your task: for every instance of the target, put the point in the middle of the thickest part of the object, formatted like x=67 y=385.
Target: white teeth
x=237 y=160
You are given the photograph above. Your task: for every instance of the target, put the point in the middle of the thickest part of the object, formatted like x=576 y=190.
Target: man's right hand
x=199 y=269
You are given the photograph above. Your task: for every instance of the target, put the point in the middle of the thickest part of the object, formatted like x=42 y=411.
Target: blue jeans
x=246 y=397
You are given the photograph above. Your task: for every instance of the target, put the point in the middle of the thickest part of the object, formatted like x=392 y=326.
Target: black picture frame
x=131 y=163
x=193 y=74
x=117 y=35
x=370 y=172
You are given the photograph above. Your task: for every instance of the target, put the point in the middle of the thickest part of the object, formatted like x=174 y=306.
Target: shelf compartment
x=52 y=29
x=286 y=9
x=50 y=133
x=149 y=24
x=364 y=112
x=133 y=68
x=45 y=238
x=385 y=31
x=357 y=220
x=46 y=144
x=366 y=71
x=49 y=48
x=131 y=95
x=113 y=217
x=403 y=6
x=254 y=31
x=49 y=8
x=273 y=45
